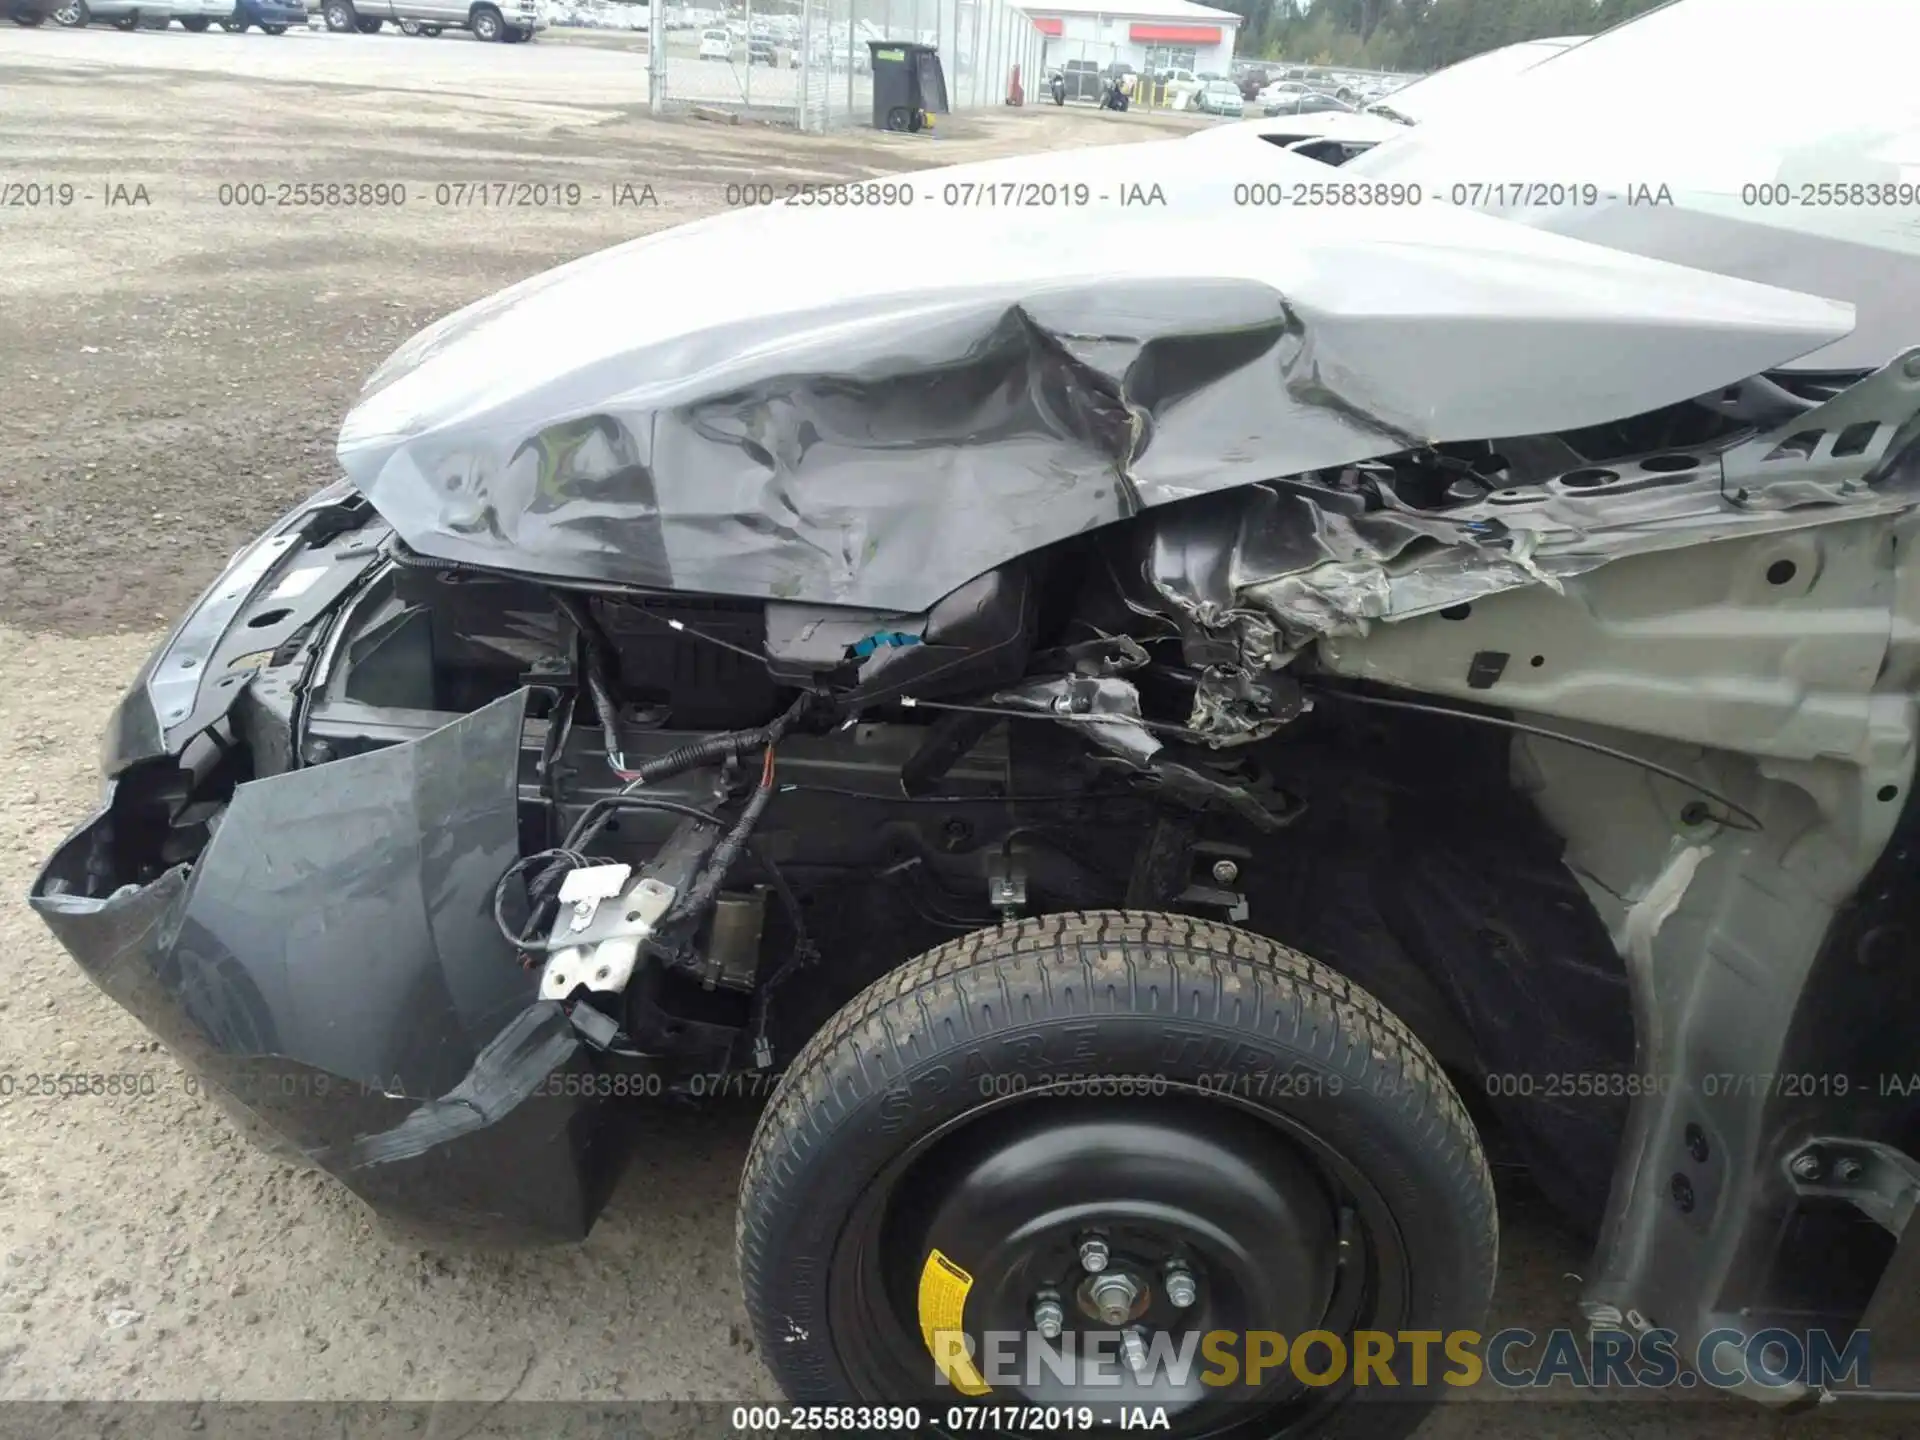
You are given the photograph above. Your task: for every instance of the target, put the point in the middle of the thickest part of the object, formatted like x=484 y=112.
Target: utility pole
x=656 y=57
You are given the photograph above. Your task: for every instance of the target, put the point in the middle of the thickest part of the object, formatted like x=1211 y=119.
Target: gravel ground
x=175 y=371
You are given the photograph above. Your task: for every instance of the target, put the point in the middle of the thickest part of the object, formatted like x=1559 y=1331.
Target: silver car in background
x=503 y=20
x=121 y=14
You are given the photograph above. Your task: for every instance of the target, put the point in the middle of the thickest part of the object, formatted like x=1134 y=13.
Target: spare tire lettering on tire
x=1212 y=1053
x=1044 y=1049
x=943 y=1303
x=898 y=1107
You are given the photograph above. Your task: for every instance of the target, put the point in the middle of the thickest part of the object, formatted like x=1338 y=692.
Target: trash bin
x=908 y=85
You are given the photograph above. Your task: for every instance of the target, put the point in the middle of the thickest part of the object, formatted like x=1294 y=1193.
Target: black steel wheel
x=899 y=118
x=1138 y=1130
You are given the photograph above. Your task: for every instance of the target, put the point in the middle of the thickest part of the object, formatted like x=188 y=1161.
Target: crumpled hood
x=870 y=403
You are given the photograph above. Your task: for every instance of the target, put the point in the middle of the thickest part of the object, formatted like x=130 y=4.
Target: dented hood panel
x=870 y=404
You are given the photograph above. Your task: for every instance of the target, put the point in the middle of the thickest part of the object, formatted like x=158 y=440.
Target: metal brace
x=600 y=943
x=1879 y=1181
x=1795 y=463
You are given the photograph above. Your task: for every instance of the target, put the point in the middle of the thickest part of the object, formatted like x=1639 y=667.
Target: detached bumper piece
x=331 y=962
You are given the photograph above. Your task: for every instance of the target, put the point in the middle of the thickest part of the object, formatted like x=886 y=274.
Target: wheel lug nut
x=1180 y=1287
x=1093 y=1255
x=1134 y=1344
x=1113 y=1296
x=1048 y=1318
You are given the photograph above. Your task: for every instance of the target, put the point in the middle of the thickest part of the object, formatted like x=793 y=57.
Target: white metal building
x=1146 y=34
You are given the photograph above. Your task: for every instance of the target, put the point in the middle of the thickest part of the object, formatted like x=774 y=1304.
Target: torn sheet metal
x=330 y=962
x=870 y=404
x=1277 y=567
x=1106 y=708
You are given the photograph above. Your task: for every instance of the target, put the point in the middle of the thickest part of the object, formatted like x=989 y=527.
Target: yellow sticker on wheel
x=943 y=1304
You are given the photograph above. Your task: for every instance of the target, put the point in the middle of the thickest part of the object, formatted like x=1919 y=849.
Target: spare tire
x=944 y=1157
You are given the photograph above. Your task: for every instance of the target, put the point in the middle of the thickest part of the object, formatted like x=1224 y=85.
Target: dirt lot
x=175 y=369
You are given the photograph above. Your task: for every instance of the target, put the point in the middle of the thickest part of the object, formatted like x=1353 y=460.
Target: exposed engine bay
x=729 y=814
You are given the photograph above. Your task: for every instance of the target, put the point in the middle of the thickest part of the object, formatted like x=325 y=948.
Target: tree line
x=1411 y=34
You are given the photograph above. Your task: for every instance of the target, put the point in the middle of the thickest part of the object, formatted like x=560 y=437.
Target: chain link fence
x=808 y=63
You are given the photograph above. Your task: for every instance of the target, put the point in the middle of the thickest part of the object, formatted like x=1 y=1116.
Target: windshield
x=1462 y=83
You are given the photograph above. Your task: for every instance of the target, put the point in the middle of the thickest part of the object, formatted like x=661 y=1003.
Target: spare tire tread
x=1103 y=962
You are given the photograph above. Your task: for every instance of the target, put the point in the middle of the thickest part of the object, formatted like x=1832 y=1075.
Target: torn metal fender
x=956 y=384
x=1274 y=568
x=330 y=962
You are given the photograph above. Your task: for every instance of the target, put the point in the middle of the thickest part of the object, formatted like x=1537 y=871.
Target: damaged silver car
x=1155 y=755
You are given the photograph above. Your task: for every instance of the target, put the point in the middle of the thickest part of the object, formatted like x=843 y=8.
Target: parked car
x=716 y=44
x=1282 y=89
x=1179 y=85
x=275 y=17
x=1307 y=102
x=31 y=12
x=199 y=15
x=1473 y=81
x=503 y=20
x=1252 y=79
x=1220 y=97
x=762 y=52
x=121 y=14
x=1336 y=135
x=1406 y=654
x=1083 y=80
